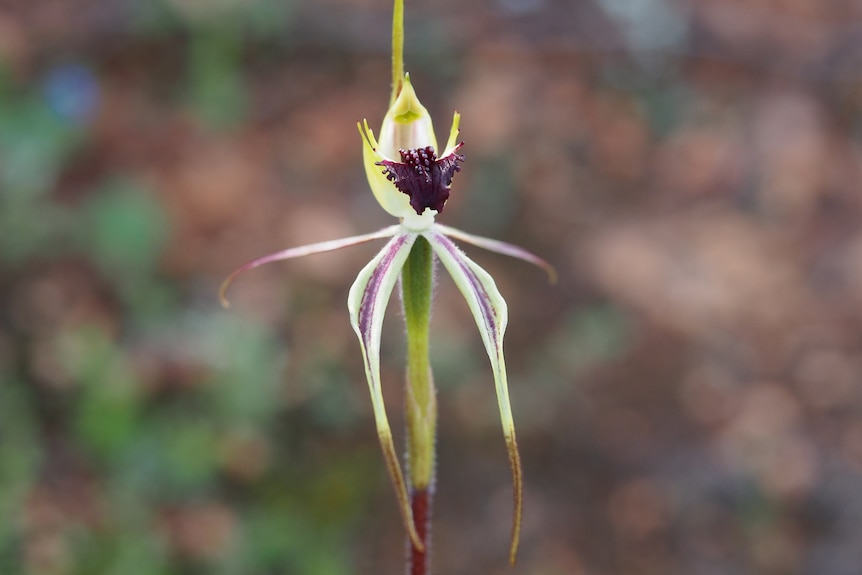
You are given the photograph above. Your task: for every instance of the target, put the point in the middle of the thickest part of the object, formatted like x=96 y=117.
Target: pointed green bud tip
x=407 y=124
x=407 y=107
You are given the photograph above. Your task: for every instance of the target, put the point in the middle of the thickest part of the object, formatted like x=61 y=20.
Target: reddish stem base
x=420 y=502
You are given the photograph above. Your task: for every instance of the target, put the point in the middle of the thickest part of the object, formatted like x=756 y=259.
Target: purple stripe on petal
x=489 y=313
x=366 y=303
x=368 y=307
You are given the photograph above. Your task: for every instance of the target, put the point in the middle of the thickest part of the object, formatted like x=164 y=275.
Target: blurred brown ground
x=688 y=396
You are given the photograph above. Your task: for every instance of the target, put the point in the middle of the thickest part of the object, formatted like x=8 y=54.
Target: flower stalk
x=420 y=397
x=397 y=50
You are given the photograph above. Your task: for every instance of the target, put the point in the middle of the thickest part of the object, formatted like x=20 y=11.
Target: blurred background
x=688 y=396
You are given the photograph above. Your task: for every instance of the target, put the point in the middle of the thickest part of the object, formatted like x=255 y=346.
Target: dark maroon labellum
x=423 y=176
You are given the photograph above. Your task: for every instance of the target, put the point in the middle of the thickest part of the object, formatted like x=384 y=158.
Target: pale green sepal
x=407 y=107
x=366 y=303
x=491 y=314
x=407 y=125
x=387 y=195
x=452 y=143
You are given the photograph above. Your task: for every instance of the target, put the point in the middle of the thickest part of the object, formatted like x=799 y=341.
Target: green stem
x=421 y=400
x=397 y=49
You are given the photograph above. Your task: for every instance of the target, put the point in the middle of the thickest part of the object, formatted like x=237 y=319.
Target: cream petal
x=491 y=314
x=367 y=302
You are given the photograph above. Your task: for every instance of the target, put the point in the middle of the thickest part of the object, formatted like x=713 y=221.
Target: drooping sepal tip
x=222 y=290
x=394 y=468
x=517 y=496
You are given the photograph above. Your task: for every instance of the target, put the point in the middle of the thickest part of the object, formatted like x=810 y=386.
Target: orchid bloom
x=411 y=181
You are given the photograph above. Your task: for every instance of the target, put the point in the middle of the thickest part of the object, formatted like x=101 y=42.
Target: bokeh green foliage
x=144 y=432
x=216 y=34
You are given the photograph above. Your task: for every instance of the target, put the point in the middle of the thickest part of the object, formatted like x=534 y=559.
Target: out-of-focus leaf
x=126 y=228
x=216 y=89
x=34 y=145
x=247 y=363
x=106 y=417
x=20 y=455
x=592 y=336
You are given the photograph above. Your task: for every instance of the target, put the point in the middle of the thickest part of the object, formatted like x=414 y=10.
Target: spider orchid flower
x=411 y=181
